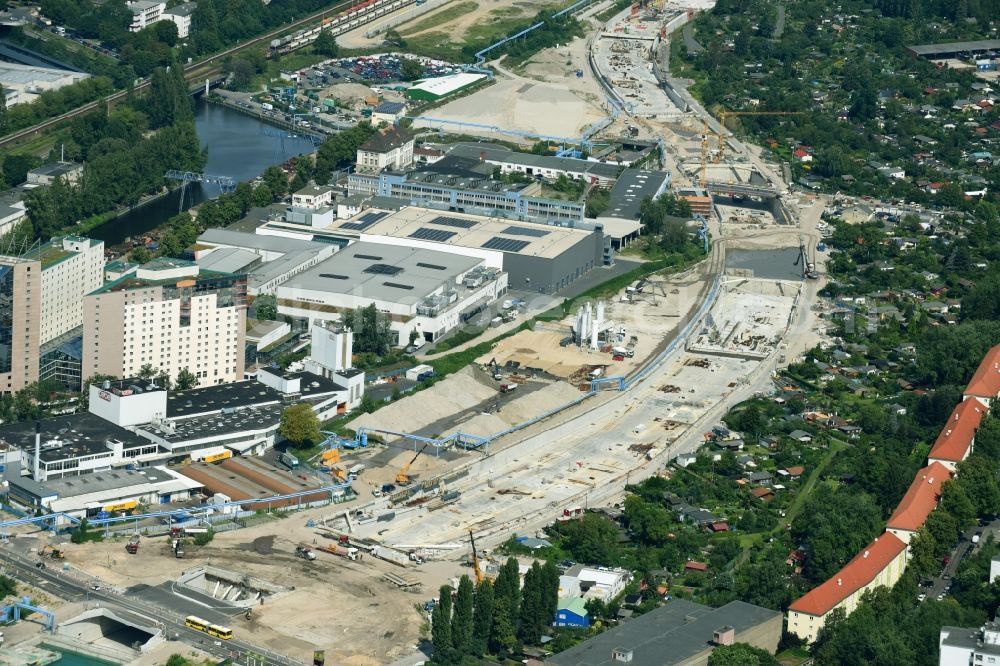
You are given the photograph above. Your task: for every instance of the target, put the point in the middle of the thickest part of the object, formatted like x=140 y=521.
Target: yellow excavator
x=53 y=552
x=403 y=477
x=475 y=560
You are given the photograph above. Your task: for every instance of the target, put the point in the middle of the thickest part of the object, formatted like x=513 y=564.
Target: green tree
x=139 y=255
x=394 y=39
x=482 y=618
x=338 y=150
x=983 y=300
x=411 y=69
x=147 y=372
x=675 y=236
x=550 y=595
x=326 y=44
x=185 y=380
x=462 y=619
x=275 y=180
x=262 y=195
x=372 y=330
x=300 y=425
x=741 y=654
x=508 y=586
x=266 y=307
x=531 y=605
x=503 y=637
x=441 y=627
x=835 y=524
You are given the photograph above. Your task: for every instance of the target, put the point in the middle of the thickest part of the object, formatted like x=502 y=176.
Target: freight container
x=391 y=555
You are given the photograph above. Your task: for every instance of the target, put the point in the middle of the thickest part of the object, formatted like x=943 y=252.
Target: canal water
x=238 y=145
x=767 y=264
x=69 y=658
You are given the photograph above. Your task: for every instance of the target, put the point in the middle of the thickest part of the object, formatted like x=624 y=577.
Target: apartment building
x=72 y=267
x=145 y=13
x=41 y=291
x=181 y=16
x=880 y=564
x=389 y=148
x=169 y=314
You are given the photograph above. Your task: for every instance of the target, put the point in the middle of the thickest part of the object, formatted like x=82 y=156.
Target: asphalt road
x=963 y=550
x=64 y=586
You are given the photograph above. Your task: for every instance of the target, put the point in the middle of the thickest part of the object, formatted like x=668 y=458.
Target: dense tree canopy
x=835 y=524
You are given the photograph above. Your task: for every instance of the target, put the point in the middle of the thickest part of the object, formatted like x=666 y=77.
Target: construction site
x=550 y=422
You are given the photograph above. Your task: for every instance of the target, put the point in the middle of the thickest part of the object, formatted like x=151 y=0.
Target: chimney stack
x=38 y=451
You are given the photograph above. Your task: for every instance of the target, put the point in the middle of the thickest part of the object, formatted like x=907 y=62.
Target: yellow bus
x=196 y=623
x=225 y=633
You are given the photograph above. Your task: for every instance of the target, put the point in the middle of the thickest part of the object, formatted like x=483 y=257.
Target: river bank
x=237 y=145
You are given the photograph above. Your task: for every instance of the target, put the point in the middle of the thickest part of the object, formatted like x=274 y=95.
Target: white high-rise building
x=172 y=316
x=41 y=295
x=75 y=268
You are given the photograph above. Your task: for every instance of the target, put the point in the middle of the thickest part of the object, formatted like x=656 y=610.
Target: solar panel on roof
x=373 y=216
x=525 y=231
x=446 y=221
x=426 y=233
x=505 y=244
x=365 y=221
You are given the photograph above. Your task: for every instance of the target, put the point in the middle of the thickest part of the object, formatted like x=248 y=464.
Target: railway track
x=198 y=71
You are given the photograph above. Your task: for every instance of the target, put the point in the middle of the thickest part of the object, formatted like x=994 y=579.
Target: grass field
x=451 y=13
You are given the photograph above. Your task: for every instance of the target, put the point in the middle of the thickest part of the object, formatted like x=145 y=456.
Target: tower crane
x=403 y=477
x=725 y=115
x=475 y=559
x=720 y=135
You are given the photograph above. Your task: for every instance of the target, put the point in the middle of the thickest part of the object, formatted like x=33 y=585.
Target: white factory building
x=106 y=492
x=24 y=83
x=541 y=258
x=421 y=290
x=266 y=260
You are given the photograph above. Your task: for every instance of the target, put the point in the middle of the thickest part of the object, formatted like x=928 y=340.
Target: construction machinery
x=53 y=552
x=348 y=551
x=808 y=267
x=721 y=136
x=305 y=552
x=330 y=456
x=475 y=560
x=403 y=476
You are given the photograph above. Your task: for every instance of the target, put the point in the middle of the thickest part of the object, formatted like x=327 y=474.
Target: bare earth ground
x=341 y=606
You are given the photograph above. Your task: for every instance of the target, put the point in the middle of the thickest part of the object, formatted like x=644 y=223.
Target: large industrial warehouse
x=422 y=290
x=541 y=258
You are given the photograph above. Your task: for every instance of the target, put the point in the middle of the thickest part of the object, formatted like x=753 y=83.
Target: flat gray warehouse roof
x=464 y=230
x=671 y=634
x=632 y=187
x=382 y=272
x=255 y=241
x=952 y=48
